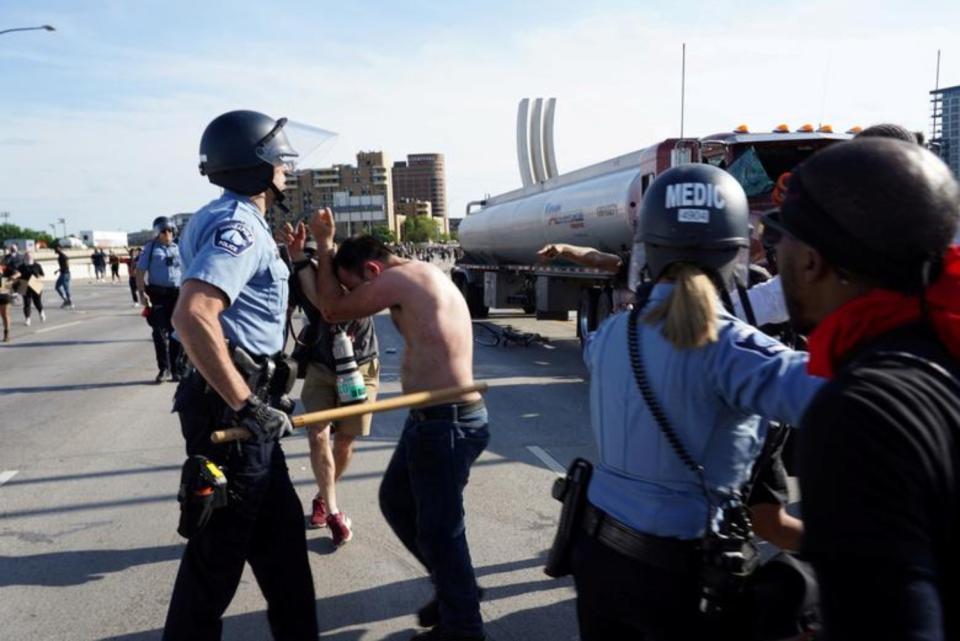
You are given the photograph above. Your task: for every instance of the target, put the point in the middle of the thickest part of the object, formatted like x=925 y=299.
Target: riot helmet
x=239 y=149
x=162 y=224
x=696 y=214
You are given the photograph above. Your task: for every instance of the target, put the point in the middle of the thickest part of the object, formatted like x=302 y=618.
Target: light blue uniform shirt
x=228 y=244
x=161 y=263
x=713 y=397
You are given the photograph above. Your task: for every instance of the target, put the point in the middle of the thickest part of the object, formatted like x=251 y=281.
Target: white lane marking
x=56 y=327
x=547 y=460
x=530 y=380
x=6 y=475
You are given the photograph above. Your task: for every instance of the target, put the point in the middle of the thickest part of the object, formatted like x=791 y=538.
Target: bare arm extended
x=197 y=321
x=586 y=256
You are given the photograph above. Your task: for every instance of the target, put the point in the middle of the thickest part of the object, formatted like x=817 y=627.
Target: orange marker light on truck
x=855 y=130
x=781 y=129
x=742 y=129
x=825 y=129
x=806 y=129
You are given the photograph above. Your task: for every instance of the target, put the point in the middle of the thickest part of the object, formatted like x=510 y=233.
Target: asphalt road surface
x=89 y=465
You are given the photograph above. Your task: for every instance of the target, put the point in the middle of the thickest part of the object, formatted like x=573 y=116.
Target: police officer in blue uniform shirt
x=636 y=564
x=158 y=281
x=230 y=319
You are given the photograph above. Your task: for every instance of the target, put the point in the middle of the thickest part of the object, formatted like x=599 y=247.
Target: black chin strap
x=278 y=198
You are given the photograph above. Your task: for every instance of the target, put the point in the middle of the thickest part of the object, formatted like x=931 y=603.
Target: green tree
x=384 y=234
x=9 y=231
x=419 y=229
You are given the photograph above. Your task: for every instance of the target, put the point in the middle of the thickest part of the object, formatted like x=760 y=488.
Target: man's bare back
x=435 y=322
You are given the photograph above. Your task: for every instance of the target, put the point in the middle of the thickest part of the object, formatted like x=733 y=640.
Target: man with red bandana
x=863 y=241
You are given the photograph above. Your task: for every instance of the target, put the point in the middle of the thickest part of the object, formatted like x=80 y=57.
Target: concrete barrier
x=80 y=264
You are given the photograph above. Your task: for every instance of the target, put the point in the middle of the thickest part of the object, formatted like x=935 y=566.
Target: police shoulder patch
x=234 y=237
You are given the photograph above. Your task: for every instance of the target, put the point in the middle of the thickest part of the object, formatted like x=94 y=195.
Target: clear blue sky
x=100 y=119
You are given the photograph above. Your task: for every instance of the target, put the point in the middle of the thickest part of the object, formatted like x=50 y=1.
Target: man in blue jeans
x=421 y=495
x=63 y=280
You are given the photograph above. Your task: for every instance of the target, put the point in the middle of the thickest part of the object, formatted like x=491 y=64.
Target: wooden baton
x=415 y=399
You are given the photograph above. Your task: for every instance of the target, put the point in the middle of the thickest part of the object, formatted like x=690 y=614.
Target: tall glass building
x=946 y=125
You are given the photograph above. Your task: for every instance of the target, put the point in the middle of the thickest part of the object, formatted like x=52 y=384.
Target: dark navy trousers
x=421 y=497
x=263 y=526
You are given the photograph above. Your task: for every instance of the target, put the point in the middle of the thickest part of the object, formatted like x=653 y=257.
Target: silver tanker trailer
x=596 y=206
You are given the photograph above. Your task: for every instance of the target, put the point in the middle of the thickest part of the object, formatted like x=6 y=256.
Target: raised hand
x=295 y=239
x=323 y=228
x=548 y=253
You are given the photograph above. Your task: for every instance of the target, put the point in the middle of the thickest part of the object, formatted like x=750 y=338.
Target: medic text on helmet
x=686 y=195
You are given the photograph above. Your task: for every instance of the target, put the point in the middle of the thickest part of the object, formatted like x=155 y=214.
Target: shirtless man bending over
x=421 y=495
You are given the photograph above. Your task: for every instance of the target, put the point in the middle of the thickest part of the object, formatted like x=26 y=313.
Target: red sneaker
x=339 y=525
x=318 y=518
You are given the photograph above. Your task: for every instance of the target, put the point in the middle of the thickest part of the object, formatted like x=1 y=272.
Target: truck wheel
x=473 y=295
x=475 y=302
x=530 y=307
x=587 y=313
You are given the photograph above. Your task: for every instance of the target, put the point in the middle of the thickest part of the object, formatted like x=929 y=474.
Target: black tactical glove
x=263 y=421
x=285 y=404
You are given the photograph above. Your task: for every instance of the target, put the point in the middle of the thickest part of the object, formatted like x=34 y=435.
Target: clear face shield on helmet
x=294 y=145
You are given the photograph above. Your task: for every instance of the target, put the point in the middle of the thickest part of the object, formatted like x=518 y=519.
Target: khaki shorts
x=320 y=393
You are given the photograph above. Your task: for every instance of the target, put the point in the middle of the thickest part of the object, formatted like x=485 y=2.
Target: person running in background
x=31 y=297
x=6 y=296
x=114 y=268
x=63 y=280
x=99 y=264
x=132 y=271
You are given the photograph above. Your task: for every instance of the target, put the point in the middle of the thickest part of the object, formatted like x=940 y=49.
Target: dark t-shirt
x=26 y=271
x=320 y=334
x=879 y=464
x=769 y=482
x=64 y=263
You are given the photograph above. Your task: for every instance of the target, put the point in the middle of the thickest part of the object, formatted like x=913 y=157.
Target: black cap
x=879 y=208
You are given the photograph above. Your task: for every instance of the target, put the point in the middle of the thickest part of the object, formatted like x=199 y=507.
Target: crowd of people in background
x=22 y=280
x=427 y=253
x=22 y=275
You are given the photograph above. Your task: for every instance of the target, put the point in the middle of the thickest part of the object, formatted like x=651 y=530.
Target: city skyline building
x=422 y=177
x=361 y=195
x=945 y=137
x=365 y=195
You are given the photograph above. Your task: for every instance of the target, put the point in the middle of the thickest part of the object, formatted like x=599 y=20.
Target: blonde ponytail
x=689 y=314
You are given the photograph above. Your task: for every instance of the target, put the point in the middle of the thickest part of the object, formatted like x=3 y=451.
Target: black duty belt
x=161 y=290
x=665 y=553
x=446 y=412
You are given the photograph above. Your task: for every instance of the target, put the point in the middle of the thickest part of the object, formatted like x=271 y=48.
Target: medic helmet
x=695 y=214
x=239 y=150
